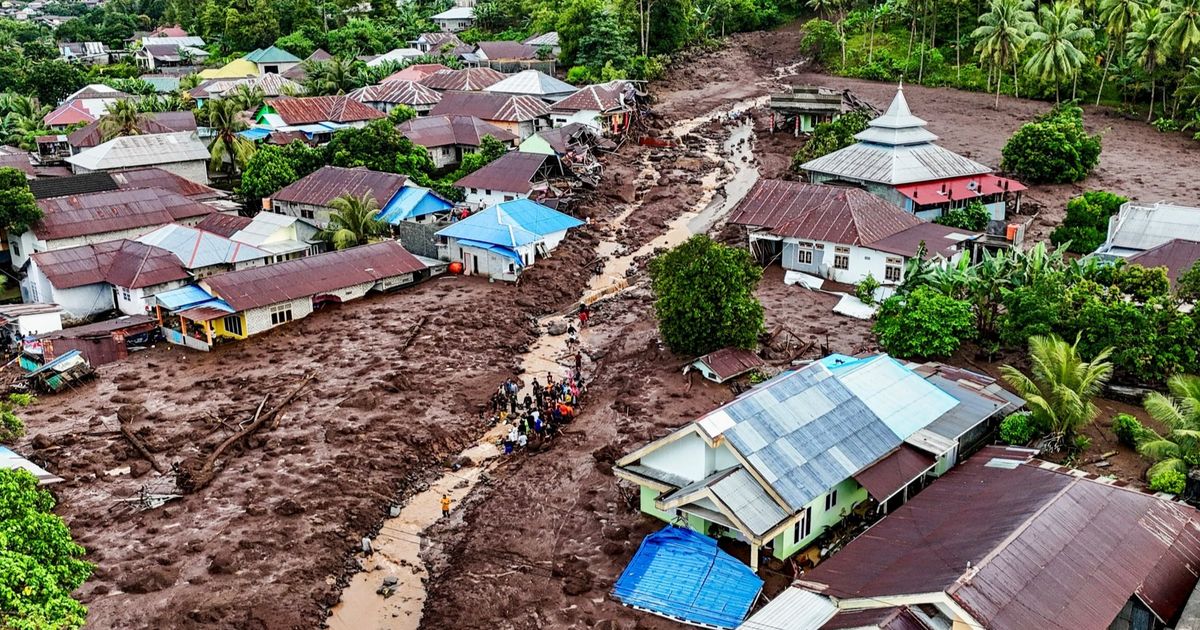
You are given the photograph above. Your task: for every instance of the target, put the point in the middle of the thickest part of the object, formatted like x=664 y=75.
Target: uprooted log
x=193 y=474
x=412 y=334
x=124 y=418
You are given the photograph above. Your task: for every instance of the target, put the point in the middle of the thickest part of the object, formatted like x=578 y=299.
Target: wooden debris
x=412 y=334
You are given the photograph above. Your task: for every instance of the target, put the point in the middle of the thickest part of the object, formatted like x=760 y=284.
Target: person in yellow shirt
x=445 y=505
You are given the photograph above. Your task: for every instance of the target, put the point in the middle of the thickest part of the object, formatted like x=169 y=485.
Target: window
x=125 y=294
x=306 y=214
x=281 y=314
x=233 y=325
x=841 y=261
x=892 y=271
x=803 y=527
x=508 y=197
x=831 y=500
x=804 y=253
x=16 y=247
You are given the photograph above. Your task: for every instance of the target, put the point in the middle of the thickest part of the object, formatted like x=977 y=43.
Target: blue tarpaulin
x=682 y=575
x=255 y=133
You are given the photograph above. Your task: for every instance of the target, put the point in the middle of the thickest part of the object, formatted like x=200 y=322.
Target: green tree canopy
x=1179 y=449
x=704 y=297
x=1061 y=384
x=267 y=171
x=923 y=323
x=1053 y=148
x=18 y=208
x=354 y=221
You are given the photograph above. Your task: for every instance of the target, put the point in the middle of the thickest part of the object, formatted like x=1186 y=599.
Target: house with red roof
x=415 y=72
x=606 y=107
x=85 y=105
x=317 y=117
x=841 y=233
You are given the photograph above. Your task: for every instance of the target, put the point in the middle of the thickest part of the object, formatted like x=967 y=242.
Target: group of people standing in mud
x=545 y=408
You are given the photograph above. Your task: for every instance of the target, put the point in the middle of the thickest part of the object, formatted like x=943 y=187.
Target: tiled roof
x=440 y=131
x=397 y=92
x=312 y=275
x=467 y=79
x=156 y=122
x=511 y=172
x=314 y=109
x=602 y=97
x=500 y=107
x=123 y=263
x=834 y=214
x=330 y=182
x=113 y=211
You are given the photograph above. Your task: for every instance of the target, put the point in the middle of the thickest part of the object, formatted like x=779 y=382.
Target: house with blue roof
x=800 y=452
x=414 y=203
x=502 y=240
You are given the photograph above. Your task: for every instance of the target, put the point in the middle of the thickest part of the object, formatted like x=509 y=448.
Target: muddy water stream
x=398 y=546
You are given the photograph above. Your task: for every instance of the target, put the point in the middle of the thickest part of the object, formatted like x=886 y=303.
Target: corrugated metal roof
x=312 y=275
x=603 y=97
x=889 y=618
x=271 y=84
x=545 y=39
x=441 y=131
x=818 y=212
x=898 y=396
x=894 y=165
x=149 y=123
x=183 y=297
x=112 y=211
x=455 y=13
x=682 y=575
x=959 y=188
x=973 y=407
x=314 y=109
x=511 y=224
x=412 y=202
x=1142 y=227
x=11 y=461
x=467 y=79
x=505 y=50
x=1177 y=255
x=727 y=363
x=396 y=55
x=750 y=504
x=72 y=185
x=891 y=474
x=415 y=72
x=512 y=172
x=145 y=150
x=939 y=240
x=197 y=248
x=327 y=183
x=223 y=224
x=271 y=54
x=489 y=106
x=154 y=177
x=103 y=328
x=122 y=263
x=793 y=609
x=532 y=82
x=397 y=92
x=1025 y=546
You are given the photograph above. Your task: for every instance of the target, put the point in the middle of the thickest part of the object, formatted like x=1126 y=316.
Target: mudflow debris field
x=397 y=383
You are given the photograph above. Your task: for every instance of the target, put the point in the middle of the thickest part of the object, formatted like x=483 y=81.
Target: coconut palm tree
x=123 y=118
x=228 y=143
x=1061 y=384
x=355 y=221
x=336 y=76
x=1118 y=18
x=1059 y=35
x=1179 y=449
x=1189 y=85
x=247 y=97
x=1146 y=49
x=1001 y=36
x=1181 y=27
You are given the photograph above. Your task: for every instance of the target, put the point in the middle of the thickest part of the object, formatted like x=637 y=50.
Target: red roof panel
x=958 y=188
x=122 y=263
x=511 y=172
x=896 y=470
x=113 y=211
x=730 y=362
x=465 y=79
x=491 y=106
x=330 y=182
x=819 y=212
x=314 y=109
x=440 y=131
x=223 y=224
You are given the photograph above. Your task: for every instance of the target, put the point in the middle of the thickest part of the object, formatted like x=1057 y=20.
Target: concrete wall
x=685 y=457
x=849 y=493
x=481 y=261
x=83 y=301
x=484 y=198
x=454 y=26
x=39 y=323
x=444 y=157
x=259 y=319
x=589 y=117
x=863 y=261
x=26 y=244
x=139 y=301
x=418 y=238
x=319 y=215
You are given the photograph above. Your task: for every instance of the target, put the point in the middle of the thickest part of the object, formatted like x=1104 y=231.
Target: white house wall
x=39 y=323
x=80 y=302
x=685 y=457
x=484 y=198
x=259 y=319
x=589 y=117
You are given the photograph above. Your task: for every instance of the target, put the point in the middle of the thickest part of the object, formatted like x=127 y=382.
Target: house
x=181 y=153
x=272 y=60
x=725 y=364
x=238 y=304
x=147 y=177
x=396 y=55
x=387 y=95
x=172 y=40
x=100 y=343
x=545 y=40
x=897 y=159
x=800 y=452
x=72 y=220
x=415 y=72
x=95 y=278
x=487 y=53
x=85 y=105
x=448 y=137
x=1177 y=255
x=20 y=159
x=415 y=204
x=572 y=144
x=318 y=117
x=87 y=53
x=803 y=107
x=156 y=56
x=436 y=43
x=500 y=241
x=514 y=175
x=299 y=72
x=168 y=31
x=521 y=115
x=840 y=233
x=18 y=321
x=283 y=237
x=1138 y=227
x=90 y=134
x=454 y=19
x=235 y=69
x=203 y=253
x=271 y=85
x=162 y=83
x=465 y=80
x=533 y=83
x=309 y=197
x=51 y=150
x=607 y=107
x=1007 y=542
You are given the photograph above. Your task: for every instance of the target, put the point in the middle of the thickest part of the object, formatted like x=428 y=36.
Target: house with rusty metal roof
x=447 y=138
x=318 y=117
x=465 y=80
x=435 y=43
x=90 y=279
x=1177 y=255
x=514 y=175
x=310 y=197
x=840 y=233
x=388 y=94
x=73 y=220
x=415 y=72
x=238 y=304
x=170 y=52
x=725 y=364
x=182 y=153
x=105 y=181
x=520 y=114
x=454 y=19
x=148 y=123
x=607 y=107
x=897 y=159
x=1007 y=542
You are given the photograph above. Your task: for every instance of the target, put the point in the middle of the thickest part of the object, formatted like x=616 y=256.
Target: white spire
x=897 y=126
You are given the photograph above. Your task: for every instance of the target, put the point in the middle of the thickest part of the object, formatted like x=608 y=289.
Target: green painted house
x=780 y=463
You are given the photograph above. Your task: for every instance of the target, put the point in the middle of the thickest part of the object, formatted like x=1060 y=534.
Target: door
x=475 y=263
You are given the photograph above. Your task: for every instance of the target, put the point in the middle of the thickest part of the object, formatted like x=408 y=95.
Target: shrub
x=1086 y=223
x=865 y=290
x=1017 y=429
x=1168 y=480
x=1053 y=148
x=923 y=323
x=974 y=217
x=1166 y=125
x=1128 y=430
x=1080 y=443
x=829 y=137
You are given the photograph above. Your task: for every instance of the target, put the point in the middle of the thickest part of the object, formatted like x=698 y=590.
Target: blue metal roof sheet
x=186 y=296
x=413 y=201
x=682 y=575
x=511 y=224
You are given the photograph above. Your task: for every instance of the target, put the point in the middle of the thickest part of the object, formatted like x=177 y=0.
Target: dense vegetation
x=1053 y=148
x=1086 y=224
x=1134 y=53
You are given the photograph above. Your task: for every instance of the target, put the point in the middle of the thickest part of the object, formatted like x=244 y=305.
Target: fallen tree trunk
x=193 y=474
